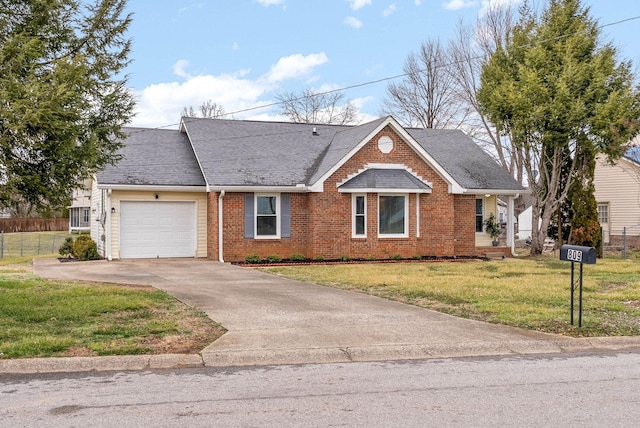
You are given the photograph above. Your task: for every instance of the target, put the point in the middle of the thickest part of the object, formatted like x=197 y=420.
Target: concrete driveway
x=271 y=320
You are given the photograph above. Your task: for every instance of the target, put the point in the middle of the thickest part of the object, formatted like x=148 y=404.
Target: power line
x=386 y=79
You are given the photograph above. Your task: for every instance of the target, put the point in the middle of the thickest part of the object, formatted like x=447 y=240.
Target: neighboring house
x=525 y=223
x=79 y=210
x=227 y=189
x=618 y=196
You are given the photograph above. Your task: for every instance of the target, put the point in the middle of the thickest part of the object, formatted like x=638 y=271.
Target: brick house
x=226 y=189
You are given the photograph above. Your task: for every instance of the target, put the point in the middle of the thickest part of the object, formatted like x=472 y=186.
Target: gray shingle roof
x=375 y=178
x=156 y=157
x=246 y=153
x=633 y=153
x=464 y=160
x=251 y=153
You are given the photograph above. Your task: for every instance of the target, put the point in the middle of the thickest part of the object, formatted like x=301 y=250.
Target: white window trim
x=354 y=196
x=255 y=216
x=604 y=205
x=405 y=234
x=475 y=214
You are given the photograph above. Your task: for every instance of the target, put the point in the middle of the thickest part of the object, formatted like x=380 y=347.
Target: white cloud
x=418 y=2
x=389 y=10
x=353 y=22
x=161 y=104
x=488 y=4
x=235 y=46
x=459 y=4
x=179 y=68
x=357 y=4
x=294 y=67
x=191 y=6
x=270 y=2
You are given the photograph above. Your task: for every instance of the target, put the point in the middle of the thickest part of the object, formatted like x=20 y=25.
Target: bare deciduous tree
x=208 y=109
x=427 y=97
x=310 y=106
x=471 y=48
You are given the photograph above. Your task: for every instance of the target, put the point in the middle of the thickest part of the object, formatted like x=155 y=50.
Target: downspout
x=220 y=228
x=108 y=226
x=511 y=241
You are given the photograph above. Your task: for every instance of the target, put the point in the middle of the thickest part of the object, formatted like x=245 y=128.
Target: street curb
x=110 y=363
x=263 y=357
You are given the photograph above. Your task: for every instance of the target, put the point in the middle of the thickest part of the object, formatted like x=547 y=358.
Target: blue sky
x=242 y=53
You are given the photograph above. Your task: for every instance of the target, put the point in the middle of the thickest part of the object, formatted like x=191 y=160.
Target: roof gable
x=344 y=144
x=373 y=180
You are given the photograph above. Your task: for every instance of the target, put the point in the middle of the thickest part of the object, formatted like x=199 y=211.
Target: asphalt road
x=569 y=390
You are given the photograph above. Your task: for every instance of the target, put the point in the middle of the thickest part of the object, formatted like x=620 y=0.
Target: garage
x=151 y=229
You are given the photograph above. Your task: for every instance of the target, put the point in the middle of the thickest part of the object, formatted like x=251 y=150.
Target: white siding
x=619 y=187
x=97 y=231
x=490 y=206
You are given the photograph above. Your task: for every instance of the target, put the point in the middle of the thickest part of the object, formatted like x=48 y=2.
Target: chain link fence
x=30 y=243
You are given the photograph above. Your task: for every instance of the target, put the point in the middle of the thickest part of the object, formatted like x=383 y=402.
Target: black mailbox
x=578 y=254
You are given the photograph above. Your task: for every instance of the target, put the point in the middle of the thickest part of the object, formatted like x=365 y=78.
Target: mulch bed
x=287 y=262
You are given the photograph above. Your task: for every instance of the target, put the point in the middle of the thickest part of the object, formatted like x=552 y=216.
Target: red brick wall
x=465 y=220
x=321 y=223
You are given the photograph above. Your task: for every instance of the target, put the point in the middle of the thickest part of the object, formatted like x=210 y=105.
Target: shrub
x=492 y=227
x=252 y=259
x=85 y=248
x=297 y=257
x=319 y=258
x=273 y=258
x=395 y=257
x=66 y=249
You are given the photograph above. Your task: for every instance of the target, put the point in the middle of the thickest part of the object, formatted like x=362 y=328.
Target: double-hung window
x=603 y=213
x=359 y=216
x=392 y=216
x=267 y=216
x=267 y=213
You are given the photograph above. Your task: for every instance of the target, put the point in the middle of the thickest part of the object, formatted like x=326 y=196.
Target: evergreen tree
x=585 y=228
x=62 y=99
x=563 y=97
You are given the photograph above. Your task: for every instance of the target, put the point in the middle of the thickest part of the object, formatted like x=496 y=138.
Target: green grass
x=31 y=243
x=41 y=318
x=532 y=293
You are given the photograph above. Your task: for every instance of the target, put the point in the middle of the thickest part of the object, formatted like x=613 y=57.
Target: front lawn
x=532 y=293
x=42 y=318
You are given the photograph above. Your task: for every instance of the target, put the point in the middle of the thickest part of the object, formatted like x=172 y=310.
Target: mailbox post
x=577 y=254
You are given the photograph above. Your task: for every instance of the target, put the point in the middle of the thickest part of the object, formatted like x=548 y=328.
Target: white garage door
x=157 y=229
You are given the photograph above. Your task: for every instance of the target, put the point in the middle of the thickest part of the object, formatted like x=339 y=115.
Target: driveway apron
x=273 y=320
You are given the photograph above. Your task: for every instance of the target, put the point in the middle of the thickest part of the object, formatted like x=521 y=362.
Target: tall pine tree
x=62 y=99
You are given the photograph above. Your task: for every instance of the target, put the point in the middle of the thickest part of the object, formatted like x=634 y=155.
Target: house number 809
x=574 y=255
